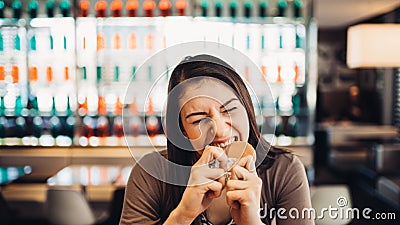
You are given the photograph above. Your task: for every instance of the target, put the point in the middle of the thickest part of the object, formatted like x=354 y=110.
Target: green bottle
x=298 y=5
x=50 y=6
x=2 y=106
x=32 y=43
x=116 y=77
x=65 y=8
x=53 y=107
x=218 y=8
x=233 y=4
x=2 y=7
x=263 y=7
x=204 y=8
x=98 y=73
x=3 y=125
x=20 y=126
x=18 y=106
x=282 y=5
x=17 y=9
x=33 y=9
x=1 y=43
x=84 y=73
x=17 y=43
x=247 y=8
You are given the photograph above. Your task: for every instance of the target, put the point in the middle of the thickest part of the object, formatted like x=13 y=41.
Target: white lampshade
x=373 y=46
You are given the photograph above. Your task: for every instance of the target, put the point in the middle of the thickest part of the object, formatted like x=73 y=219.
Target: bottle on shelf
x=88 y=126
x=84 y=7
x=152 y=123
x=3 y=128
x=181 y=6
x=33 y=6
x=83 y=108
x=218 y=8
x=282 y=6
x=118 y=125
x=102 y=106
x=56 y=127
x=135 y=122
x=65 y=8
x=50 y=8
x=17 y=9
x=248 y=5
x=148 y=7
x=204 y=4
x=132 y=7
x=297 y=7
x=233 y=5
x=263 y=8
x=116 y=8
x=20 y=127
x=165 y=7
x=101 y=9
x=102 y=127
x=2 y=7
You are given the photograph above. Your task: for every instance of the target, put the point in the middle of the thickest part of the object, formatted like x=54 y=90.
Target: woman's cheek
x=241 y=125
x=193 y=132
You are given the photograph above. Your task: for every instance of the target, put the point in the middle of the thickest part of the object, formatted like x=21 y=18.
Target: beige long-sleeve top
x=285 y=192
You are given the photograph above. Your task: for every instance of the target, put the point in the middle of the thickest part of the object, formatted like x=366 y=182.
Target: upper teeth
x=223 y=145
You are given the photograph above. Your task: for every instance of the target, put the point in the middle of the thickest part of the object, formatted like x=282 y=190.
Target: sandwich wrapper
x=235 y=151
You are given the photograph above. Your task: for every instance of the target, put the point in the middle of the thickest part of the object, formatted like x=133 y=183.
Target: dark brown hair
x=209 y=66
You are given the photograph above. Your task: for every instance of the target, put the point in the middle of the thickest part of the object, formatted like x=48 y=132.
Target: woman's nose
x=221 y=128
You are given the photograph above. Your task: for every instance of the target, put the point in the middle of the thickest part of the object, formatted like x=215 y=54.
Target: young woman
x=208 y=108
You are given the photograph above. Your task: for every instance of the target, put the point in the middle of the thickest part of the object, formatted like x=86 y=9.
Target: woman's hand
x=204 y=184
x=244 y=192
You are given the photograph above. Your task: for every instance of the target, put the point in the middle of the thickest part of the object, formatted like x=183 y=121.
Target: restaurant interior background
x=64 y=66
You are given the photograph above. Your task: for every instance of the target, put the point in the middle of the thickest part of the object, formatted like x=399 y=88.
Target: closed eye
x=229 y=110
x=197 y=121
x=200 y=120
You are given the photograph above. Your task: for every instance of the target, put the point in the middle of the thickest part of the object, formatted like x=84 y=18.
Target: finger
x=222 y=180
x=210 y=153
x=248 y=162
x=239 y=173
x=233 y=198
x=204 y=175
x=212 y=173
x=214 y=189
x=233 y=185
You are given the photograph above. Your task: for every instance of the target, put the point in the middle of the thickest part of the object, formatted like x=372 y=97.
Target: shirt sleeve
x=142 y=198
x=293 y=198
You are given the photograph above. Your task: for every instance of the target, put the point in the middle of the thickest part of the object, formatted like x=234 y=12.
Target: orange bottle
x=165 y=7
x=148 y=7
x=84 y=7
x=181 y=6
x=101 y=7
x=102 y=106
x=131 y=7
x=116 y=8
x=15 y=74
x=2 y=73
x=152 y=124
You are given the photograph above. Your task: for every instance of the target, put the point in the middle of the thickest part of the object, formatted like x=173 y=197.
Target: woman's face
x=211 y=114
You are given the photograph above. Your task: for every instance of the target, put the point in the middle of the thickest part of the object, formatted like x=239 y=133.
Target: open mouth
x=226 y=143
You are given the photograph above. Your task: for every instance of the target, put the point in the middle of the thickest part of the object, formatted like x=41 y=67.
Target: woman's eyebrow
x=226 y=103
x=195 y=114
